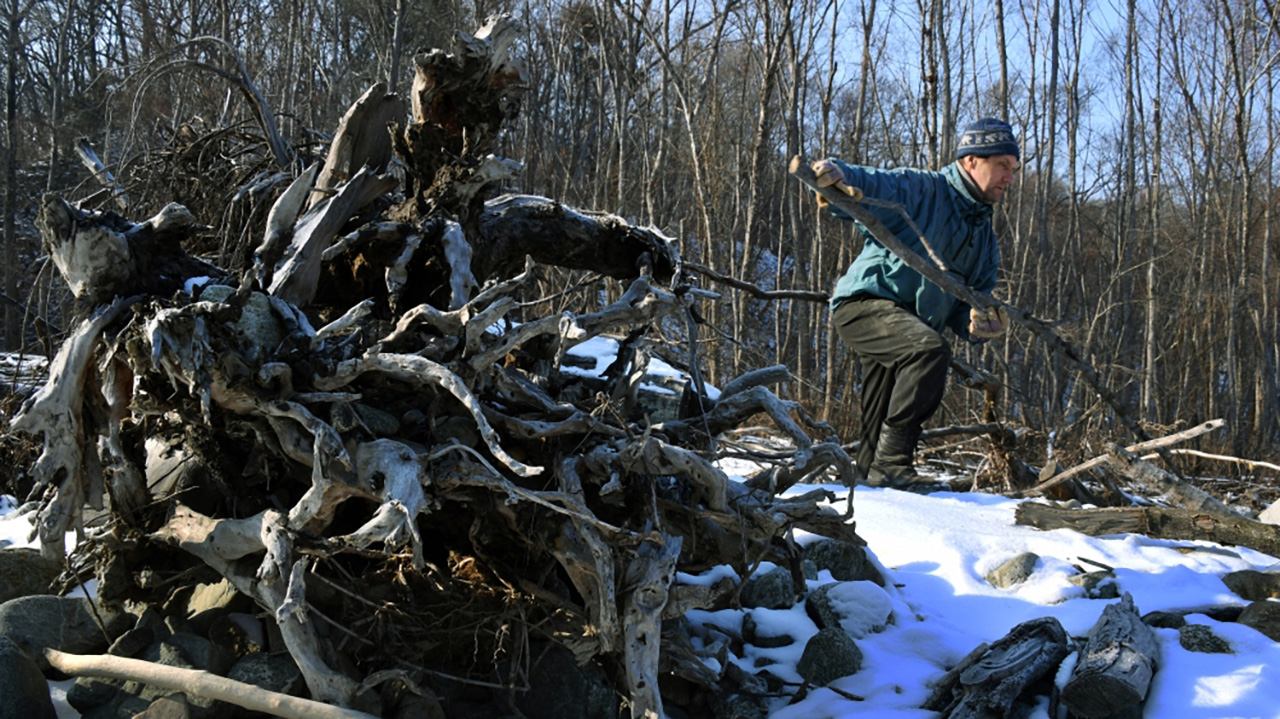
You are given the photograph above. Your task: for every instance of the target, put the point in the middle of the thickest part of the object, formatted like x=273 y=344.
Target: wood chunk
x=1116 y=665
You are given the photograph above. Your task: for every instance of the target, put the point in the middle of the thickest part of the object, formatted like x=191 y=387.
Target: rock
x=829 y=655
x=559 y=688
x=772 y=590
x=25 y=572
x=24 y=692
x=185 y=651
x=1199 y=638
x=1270 y=515
x=63 y=623
x=846 y=562
x=1015 y=571
x=171 y=707
x=205 y=597
x=1254 y=585
x=752 y=634
x=858 y=608
x=123 y=706
x=1164 y=620
x=1097 y=585
x=258 y=325
x=240 y=633
x=738 y=706
x=274 y=672
x=133 y=643
x=88 y=693
x=1263 y=616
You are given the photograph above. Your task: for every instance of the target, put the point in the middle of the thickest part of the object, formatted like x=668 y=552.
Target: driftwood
x=382 y=445
x=1159 y=442
x=990 y=678
x=1159 y=522
x=200 y=683
x=1174 y=489
x=1116 y=665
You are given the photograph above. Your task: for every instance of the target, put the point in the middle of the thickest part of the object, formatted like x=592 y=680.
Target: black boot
x=895 y=457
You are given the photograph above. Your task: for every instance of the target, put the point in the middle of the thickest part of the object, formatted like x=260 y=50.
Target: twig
x=754 y=290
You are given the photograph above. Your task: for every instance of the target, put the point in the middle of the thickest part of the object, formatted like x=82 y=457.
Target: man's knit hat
x=988 y=137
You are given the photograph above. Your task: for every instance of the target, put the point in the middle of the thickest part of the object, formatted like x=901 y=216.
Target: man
x=891 y=316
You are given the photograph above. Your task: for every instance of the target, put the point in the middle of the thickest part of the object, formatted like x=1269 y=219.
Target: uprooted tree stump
x=371 y=433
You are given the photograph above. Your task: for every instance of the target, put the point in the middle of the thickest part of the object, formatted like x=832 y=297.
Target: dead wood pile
x=373 y=434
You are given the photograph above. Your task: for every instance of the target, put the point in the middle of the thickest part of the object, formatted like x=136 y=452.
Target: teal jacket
x=956 y=225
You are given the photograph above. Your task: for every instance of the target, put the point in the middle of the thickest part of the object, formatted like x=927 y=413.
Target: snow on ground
x=936 y=549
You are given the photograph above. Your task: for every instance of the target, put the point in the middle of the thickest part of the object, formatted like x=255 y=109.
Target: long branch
x=200 y=683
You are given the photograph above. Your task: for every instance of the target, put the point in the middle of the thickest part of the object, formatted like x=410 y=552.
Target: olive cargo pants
x=904 y=371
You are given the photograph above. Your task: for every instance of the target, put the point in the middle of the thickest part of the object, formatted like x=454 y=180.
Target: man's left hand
x=988 y=323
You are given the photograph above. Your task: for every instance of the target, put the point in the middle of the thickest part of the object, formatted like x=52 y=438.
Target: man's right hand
x=828 y=173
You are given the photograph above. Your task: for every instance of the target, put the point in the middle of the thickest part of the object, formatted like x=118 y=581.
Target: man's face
x=993 y=175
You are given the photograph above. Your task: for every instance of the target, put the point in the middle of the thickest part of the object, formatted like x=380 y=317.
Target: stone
x=858 y=608
x=91 y=692
x=1253 y=585
x=829 y=655
x=1097 y=585
x=1263 y=616
x=772 y=590
x=559 y=688
x=258 y=325
x=1199 y=638
x=1014 y=571
x=25 y=572
x=1164 y=620
x=24 y=692
x=1270 y=515
x=63 y=623
x=738 y=706
x=847 y=562
x=752 y=634
x=123 y=706
x=273 y=672
x=173 y=706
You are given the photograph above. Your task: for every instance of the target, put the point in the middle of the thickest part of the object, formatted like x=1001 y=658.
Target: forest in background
x=1142 y=227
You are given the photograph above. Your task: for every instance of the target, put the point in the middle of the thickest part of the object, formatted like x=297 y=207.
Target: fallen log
x=1159 y=522
x=1116 y=665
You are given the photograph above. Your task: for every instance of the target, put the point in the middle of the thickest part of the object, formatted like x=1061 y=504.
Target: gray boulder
x=1263 y=616
x=63 y=623
x=772 y=590
x=25 y=572
x=24 y=693
x=857 y=608
x=277 y=673
x=1253 y=585
x=1164 y=620
x=846 y=562
x=761 y=636
x=829 y=655
x=1199 y=638
x=1097 y=585
x=1013 y=572
x=560 y=689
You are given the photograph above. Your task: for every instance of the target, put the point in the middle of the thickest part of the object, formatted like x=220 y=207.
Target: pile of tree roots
x=373 y=430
